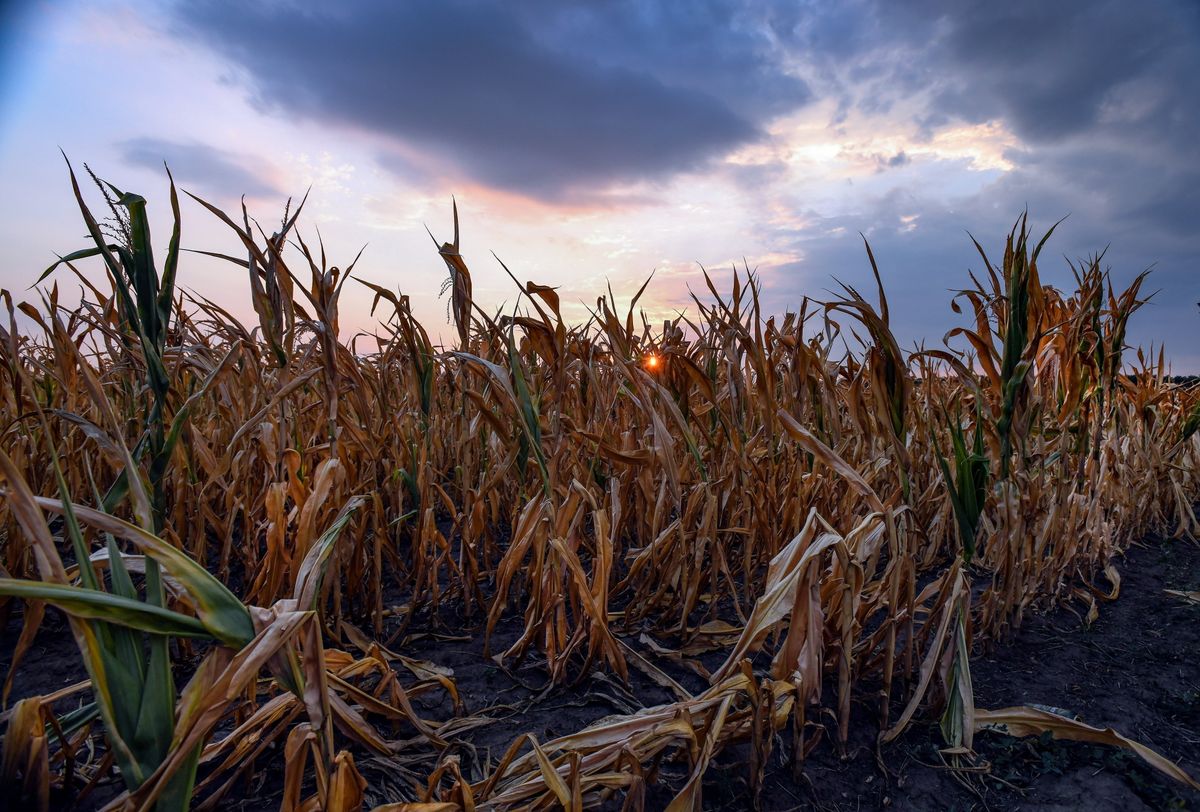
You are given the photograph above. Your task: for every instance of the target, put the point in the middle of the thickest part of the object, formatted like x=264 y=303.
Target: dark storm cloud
x=1049 y=69
x=199 y=165
x=561 y=100
x=1099 y=72
x=1059 y=69
x=724 y=48
x=557 y=99
x=1100 y=94
x=549 y=100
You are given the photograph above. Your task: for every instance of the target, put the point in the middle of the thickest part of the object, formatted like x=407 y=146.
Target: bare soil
x=1136 y=669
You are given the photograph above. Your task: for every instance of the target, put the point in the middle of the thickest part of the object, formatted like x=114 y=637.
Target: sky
x=589 y=143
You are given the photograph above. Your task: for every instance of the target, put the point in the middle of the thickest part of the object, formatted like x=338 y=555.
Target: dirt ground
x=1135 y=669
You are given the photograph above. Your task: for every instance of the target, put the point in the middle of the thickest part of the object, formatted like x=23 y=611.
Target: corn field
x=246 y=524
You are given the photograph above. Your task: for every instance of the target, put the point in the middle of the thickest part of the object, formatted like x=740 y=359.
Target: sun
x=652 y=362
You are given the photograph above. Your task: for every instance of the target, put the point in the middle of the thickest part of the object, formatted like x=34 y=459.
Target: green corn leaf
x=126 y=647
x=90 y=604
x=960 y=510
x=74 y=720
x=158 y=465
x=166 y=294
x=156 y=713
x=83 y=253
x=219 y=610
x=968 y=490
x=529 y=412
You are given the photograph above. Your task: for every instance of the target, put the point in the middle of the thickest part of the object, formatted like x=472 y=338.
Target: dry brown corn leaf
x=1026 y=721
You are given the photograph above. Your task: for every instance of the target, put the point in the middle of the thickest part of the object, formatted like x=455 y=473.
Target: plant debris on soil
x=1135 y=668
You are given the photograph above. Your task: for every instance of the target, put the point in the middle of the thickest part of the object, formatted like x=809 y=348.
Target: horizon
x=590 y=145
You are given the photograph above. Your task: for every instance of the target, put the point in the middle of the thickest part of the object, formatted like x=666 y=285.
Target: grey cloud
x=923 y=266
x=561 y=100
x=551 y=101
x=724 y=48
x=216 y=171
x=1173 y=205
x=1052 y=67
x=1051 y=70
x=1102 y=97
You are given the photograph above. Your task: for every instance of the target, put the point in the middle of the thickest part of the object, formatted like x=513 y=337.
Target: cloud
x=548 y=100
x=1103 y=74
x=1052 y=70
x=911 y=122
x=216 y=171
x=568 y=101
x=1099 y=97
x=924 y=253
